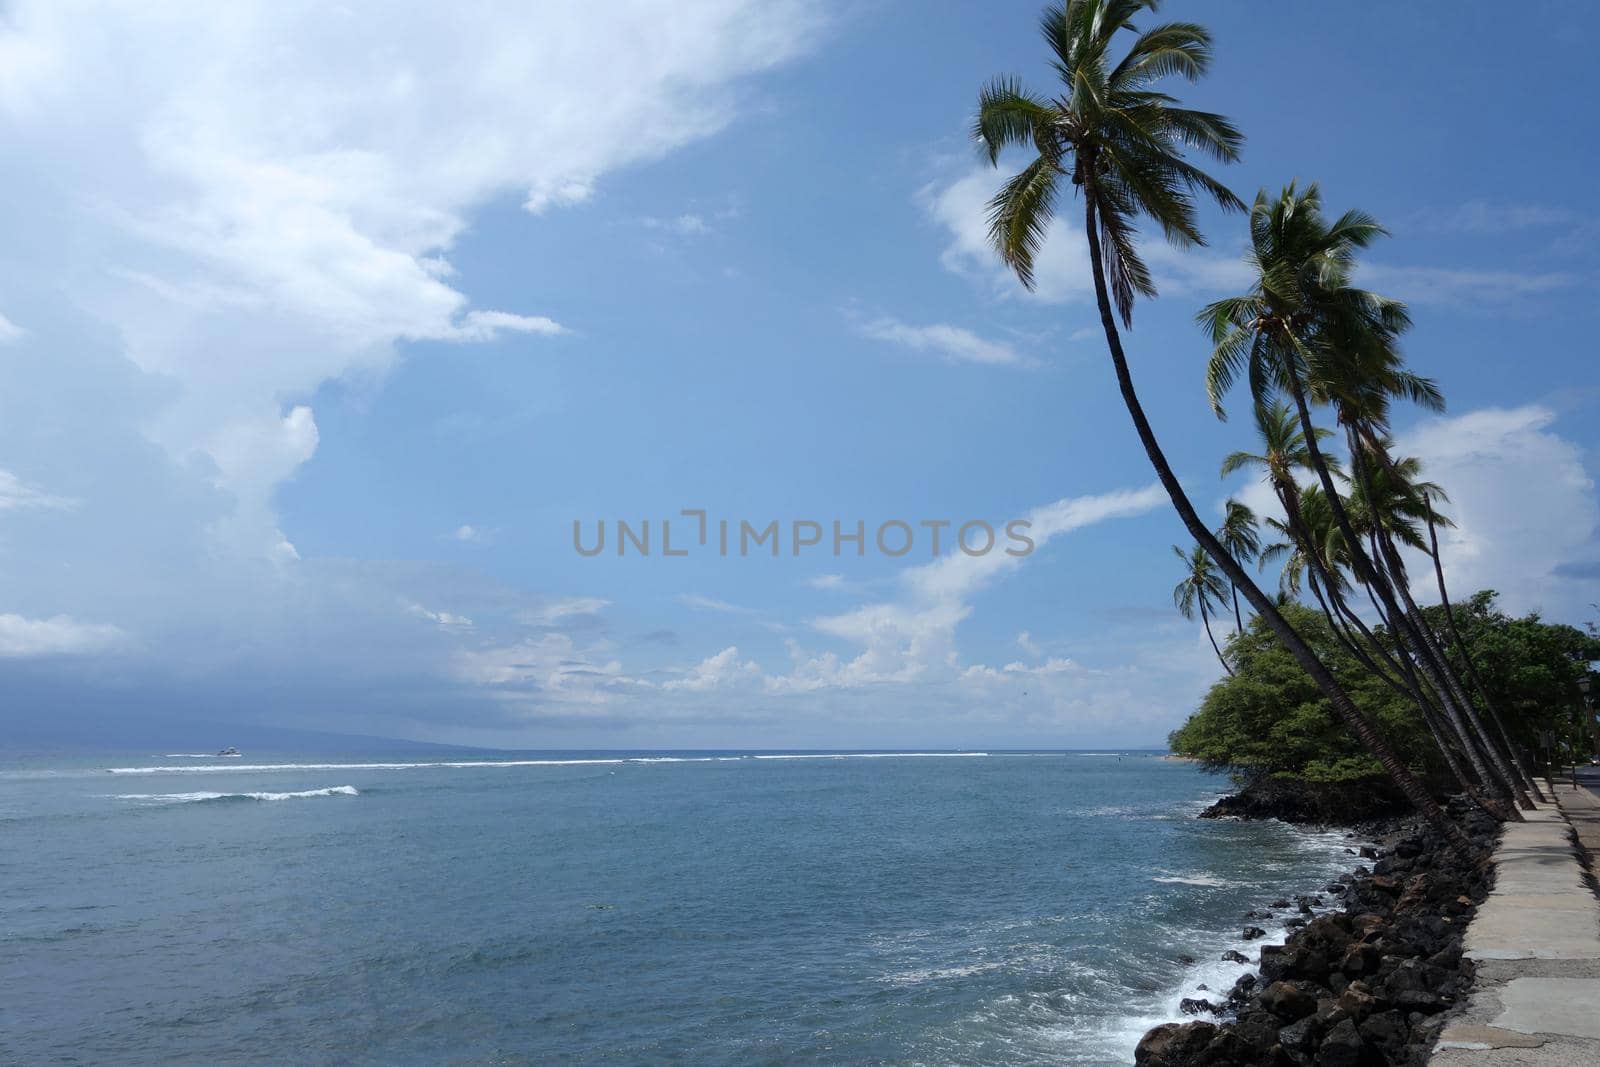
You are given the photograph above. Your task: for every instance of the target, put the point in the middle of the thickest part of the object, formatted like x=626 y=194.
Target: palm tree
x=1202 y=589
x=1303 y=329
x=1240 y=535
x=1119 y=143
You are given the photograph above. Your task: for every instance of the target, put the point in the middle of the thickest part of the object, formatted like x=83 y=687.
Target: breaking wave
x=200 y=798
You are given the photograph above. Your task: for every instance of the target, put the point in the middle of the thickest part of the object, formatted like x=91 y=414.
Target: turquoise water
x=592 y=908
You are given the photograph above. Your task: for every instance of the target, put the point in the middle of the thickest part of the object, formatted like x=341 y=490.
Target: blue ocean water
x=708 y=908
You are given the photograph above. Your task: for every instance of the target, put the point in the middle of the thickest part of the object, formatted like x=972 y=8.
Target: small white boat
x=230 y=751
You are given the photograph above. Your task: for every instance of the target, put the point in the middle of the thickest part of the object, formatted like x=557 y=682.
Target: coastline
x=1368 y=980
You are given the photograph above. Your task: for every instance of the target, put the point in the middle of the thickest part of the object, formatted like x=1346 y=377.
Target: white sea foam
x=190 y=798
x=1208 y=881
x=189 y=768
x=940 y=974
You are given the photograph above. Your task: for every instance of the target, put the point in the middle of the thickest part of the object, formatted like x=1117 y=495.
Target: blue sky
x=323 y=329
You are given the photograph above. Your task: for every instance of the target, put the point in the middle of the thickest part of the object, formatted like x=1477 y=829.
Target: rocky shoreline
x=1367 y=984
x=1369 y=801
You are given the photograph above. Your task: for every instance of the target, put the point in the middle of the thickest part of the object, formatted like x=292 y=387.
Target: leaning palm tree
x=1119 y=143
x=1240 y=535
x=1305 y=330
x=1202 y=589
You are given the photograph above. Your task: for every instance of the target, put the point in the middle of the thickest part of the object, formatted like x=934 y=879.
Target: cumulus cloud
x=1523 y=502
x=215 y=210
x=260 y=197
x=913 y=637
x=715 y=672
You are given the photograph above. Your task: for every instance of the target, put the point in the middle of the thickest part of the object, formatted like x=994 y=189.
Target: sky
x=323 y=326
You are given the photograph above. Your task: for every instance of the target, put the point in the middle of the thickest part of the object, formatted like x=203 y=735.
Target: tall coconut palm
x=1240 y=535
x=1305 y=330
x=1119 y=143
x=1202 y=589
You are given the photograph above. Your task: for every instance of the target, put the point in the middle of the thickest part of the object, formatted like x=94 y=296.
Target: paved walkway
x=1536 y=941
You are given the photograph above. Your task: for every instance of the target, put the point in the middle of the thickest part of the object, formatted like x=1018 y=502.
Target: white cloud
x=260 y=197
x=17 y=495
x=548 y=667
x=685 y=225
x=1460 y=287
x=826 y=581
x=568 y=608
x=1484 y=217
x=1523 y=503
x=706 y=603
x=442 y=618
x=546 y=193
x=10 y=331
x=486 y=325
x=23 y=638
x=913 y=637
x=955 y=343
x=467 y=532
x=715 y=672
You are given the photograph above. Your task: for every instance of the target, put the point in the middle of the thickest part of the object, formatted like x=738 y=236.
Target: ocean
x=704 y=908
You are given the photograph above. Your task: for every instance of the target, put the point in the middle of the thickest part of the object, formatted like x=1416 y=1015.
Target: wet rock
x=1387 y=1031
x=1385 y=883
x=1234 y=956
x=1196 y=1006
x=1253 y=932
x=1301 y=1036
x=1360 y=959
x=1174 y=1044
x=1357 y=1003
x=1288 y=1000
x=1341 y=1047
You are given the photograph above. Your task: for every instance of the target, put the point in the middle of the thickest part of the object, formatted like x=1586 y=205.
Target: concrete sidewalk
x=1536 y=941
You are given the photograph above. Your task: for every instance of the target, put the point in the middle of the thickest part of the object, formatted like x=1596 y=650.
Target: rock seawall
x=1364 y=985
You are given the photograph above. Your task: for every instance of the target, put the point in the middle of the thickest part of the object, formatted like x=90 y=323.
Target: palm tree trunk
x=1430 y=654
x=1205 y=620
x=1409 y=785
x=1472 y=669
x=1238 y=620
x=1367 y=570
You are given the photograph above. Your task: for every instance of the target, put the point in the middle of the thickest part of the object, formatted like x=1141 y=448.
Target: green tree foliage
x=1270 y=718
x=1530 y=667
